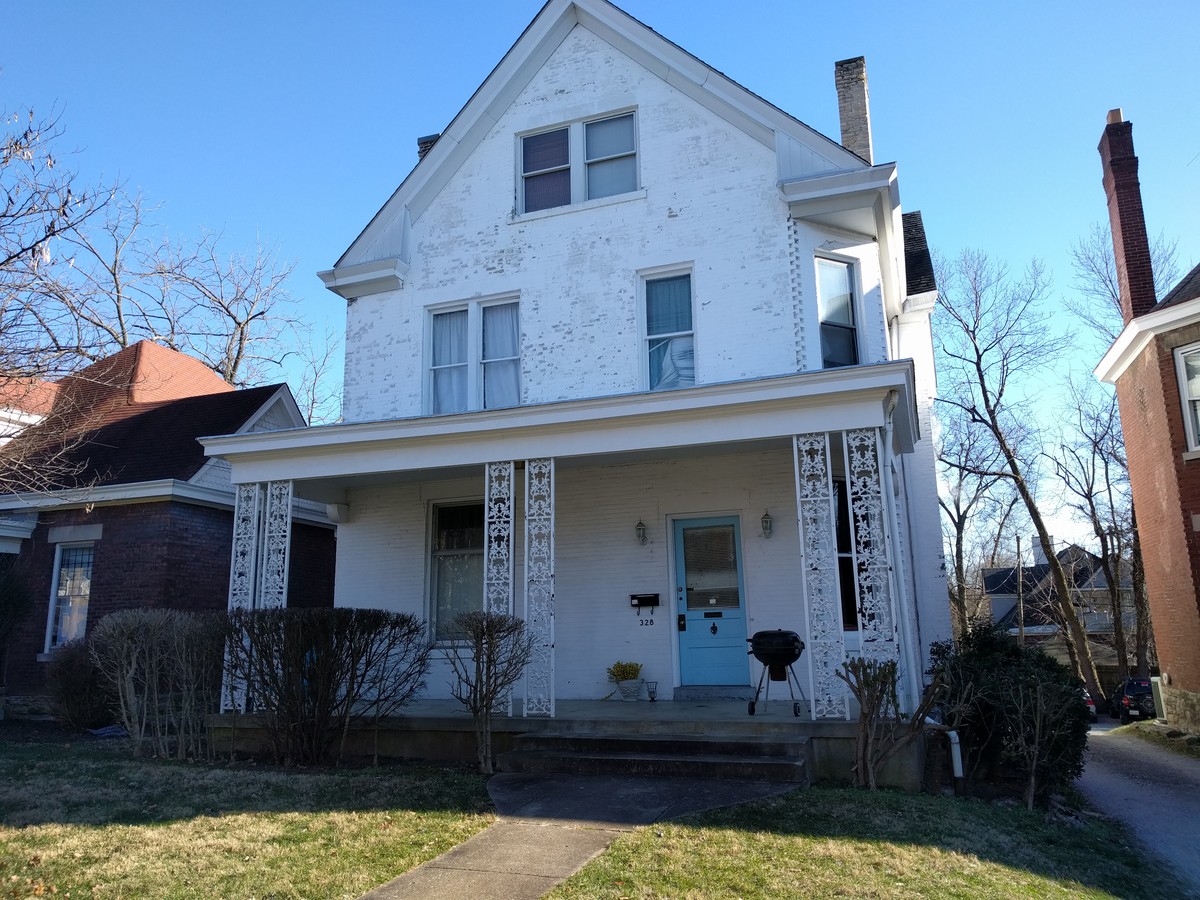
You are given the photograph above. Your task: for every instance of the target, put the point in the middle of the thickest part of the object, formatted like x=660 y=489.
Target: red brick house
x=137 y=516
x=1155 y=365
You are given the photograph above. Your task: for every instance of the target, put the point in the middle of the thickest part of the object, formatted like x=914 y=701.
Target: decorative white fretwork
x=869 y=522
x=817 y=514
x=243 y=567
x=276 y=546
x=498 y=524
x=539 y=585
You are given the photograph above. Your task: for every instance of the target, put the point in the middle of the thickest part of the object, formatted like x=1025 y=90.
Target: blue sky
x=293 y=122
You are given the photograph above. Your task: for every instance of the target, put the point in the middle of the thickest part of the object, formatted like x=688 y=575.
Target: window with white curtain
x=475 y=357
x=1187 y=370
x=456 y=565
x=670 y=340
x=835 y=298
x=581 y=161
x=70 y=590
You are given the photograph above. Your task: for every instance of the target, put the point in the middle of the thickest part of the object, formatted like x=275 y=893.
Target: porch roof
x=712 y=416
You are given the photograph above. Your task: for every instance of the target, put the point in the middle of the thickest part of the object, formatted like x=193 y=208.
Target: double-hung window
x=456 y=565
x=577 y=162
x=835 y=297
x=70 y=589
x=670 y=340
x=475 y=357
x=1187 y=369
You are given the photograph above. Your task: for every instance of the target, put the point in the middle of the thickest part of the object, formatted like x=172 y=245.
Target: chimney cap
x=1116 y=116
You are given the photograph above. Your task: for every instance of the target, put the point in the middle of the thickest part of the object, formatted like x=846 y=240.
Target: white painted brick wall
x=711 y=201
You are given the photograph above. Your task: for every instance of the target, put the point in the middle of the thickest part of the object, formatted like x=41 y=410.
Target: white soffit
x=1139 y=333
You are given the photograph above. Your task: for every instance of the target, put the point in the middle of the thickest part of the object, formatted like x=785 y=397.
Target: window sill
x=518 y=218
x=1190 y=455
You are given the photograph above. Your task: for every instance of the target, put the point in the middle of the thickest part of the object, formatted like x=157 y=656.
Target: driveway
x=1154 y=791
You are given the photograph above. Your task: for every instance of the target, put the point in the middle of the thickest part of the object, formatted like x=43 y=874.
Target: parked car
x=1091 y=705
x=1133 y=697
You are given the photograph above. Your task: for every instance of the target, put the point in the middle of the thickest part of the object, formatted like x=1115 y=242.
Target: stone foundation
x=1181 y=708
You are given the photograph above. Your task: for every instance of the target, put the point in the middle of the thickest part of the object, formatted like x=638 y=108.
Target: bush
x=77 y=688
x=1015 y=709
x=163 y=667
x=307 y=672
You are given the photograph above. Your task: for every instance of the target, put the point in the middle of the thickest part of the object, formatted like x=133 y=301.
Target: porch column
x=817 y=515
x=873 y=547
x=262 y=545
x=498 y=526
x=258 y=570
x=539 y=585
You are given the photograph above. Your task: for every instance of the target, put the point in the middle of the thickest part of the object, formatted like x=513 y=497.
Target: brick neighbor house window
x=1187 y=368
x=69 y=593
x=578 y=162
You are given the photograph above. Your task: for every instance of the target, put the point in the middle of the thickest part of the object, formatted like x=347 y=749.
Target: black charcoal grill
x=776 y=650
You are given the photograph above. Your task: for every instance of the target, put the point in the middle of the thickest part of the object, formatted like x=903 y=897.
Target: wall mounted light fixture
x=768 y=525
x=640 y=530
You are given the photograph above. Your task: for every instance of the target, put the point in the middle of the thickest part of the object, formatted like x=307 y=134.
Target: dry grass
x=835 y=842
x=1157 y=734
x=79 y=819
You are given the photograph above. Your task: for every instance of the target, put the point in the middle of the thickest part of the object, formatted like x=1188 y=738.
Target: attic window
x=578 y=162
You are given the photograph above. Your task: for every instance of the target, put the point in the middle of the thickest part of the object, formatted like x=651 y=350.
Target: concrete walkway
x=1152 y=790
x=551 y=826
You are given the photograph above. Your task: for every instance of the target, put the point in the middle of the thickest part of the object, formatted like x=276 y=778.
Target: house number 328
x=645 y=621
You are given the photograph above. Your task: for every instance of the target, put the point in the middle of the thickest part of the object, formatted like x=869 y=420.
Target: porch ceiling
x=764 y=413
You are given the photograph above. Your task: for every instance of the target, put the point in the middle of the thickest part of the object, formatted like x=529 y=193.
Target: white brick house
x=628 y=329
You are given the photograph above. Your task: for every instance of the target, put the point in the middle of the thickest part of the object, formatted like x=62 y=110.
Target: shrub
x=1015 y=709
x=77 y=688
x=163 y=667
x=307 y=672
x=493 y=654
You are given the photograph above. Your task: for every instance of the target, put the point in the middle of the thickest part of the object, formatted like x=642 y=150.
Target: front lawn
x=79 y=818
x=842 y=842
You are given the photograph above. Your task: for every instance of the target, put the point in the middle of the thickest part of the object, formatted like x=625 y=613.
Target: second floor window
x=581 y=161
x=670 y=340
x=1187 y=364
x=835 y=294
x=475 y=358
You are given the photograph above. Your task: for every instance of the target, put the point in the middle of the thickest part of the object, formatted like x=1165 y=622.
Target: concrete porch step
x=714 y=692
x=747 y=757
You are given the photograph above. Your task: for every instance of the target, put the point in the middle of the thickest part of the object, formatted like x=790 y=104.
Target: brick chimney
x=854 y=106
x=1131 y=246
x=425 y=144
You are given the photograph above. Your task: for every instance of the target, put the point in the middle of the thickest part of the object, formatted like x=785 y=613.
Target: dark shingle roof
x=917 y=262
x=1187 y=289
x=151 y=441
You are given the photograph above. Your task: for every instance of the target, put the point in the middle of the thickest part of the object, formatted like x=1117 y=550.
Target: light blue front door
x=709 y=611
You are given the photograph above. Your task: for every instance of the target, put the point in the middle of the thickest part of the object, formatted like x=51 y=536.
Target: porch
x=711 y=737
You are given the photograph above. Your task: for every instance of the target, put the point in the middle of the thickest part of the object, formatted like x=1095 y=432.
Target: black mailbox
x=641 y=601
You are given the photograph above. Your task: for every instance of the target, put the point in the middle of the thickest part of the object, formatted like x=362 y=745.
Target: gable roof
x=760 y=119
x=135 y=416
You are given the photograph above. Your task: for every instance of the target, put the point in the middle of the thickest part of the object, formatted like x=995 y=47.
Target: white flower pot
x=630 y=690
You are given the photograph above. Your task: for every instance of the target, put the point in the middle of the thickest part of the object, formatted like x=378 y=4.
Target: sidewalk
x=1152 y=790
x=552 y=825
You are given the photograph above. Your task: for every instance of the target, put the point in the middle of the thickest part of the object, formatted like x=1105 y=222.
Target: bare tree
x=978 y=508
x=319 y=394
x=1092 y=466
x=1098 y=304
x=997 y=333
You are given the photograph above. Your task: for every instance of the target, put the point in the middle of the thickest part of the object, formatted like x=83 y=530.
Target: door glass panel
x=710 y=567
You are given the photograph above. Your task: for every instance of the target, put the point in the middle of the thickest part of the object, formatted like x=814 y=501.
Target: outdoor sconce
x=652 y=690
x=640 y=530
x=768 y=525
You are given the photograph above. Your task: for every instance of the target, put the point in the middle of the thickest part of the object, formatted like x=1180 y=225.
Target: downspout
x=955 y=751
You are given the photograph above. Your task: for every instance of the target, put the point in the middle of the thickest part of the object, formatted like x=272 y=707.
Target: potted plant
x=628 y=676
